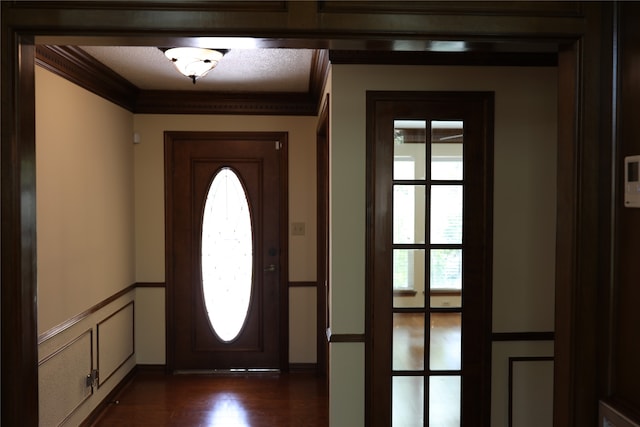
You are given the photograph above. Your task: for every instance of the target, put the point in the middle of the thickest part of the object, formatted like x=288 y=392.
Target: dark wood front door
x=225 y=287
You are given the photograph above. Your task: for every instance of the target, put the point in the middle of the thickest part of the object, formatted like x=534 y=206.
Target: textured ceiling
x=240 y=70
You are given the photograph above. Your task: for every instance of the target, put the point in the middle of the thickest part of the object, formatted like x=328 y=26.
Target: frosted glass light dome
x=194 y=62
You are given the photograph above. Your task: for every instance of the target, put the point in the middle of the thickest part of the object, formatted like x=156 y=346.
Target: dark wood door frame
x=322 y=238
x=171 y=138
x=476 y=110
x=583 y=182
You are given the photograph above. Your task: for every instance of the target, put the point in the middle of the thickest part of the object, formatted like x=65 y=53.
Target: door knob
x=270 y=267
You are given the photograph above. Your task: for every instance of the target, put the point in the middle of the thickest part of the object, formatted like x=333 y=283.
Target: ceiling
x=240 y=70
x=260 y=81
x=253 y=81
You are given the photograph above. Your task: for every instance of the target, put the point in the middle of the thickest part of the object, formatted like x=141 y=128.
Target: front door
x=226 y=252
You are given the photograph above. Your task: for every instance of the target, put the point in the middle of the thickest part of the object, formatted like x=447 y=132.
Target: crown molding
x=189 y=102
x=319 y=76
x=77 y=66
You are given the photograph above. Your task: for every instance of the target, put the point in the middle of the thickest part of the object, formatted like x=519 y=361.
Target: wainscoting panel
x=530 y=391
x=511 y=395
x=65 y=369
x=302 y=325
x=115 y=341
x=100 y=338
x=150 y=325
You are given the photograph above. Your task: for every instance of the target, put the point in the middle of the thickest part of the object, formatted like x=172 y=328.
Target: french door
x=429 y=178
x=226 y=250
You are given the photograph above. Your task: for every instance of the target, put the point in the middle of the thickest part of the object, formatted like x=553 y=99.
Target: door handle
x=270 y=267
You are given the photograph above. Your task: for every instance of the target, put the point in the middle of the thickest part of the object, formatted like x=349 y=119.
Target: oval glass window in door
x=227 y=255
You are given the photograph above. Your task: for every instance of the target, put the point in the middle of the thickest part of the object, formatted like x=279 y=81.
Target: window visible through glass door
x=429 y=275
x=427 y=257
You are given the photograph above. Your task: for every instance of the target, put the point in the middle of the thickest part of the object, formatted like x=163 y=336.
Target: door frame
x=476 y=305
x=584 y=119
x=322 y=239
x=173 y=137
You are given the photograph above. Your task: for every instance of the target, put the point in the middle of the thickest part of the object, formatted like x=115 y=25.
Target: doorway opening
x=18 y=302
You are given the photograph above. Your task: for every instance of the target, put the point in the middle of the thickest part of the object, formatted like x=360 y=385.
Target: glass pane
x=446 y=269
x=444 y=401
x=408 y=213
x=446 y=150
x=227 y=255
x=409 y=149
x=446 y=161
x=408 y=341
x=446 y=214
x=407 y=402
x=445 y=342
x=408 y=277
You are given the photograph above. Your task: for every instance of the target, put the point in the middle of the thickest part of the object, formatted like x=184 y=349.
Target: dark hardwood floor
x=215 y=400
x=154 y=399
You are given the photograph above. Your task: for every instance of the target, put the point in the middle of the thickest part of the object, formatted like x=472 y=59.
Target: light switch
x=297 y=229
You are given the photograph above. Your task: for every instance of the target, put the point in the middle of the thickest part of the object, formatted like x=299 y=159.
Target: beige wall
x=85 y=252
x=84 y=181
x=524 y=209
x=149 y=185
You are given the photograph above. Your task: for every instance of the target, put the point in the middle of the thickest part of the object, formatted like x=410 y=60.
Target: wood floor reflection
x=295 y=400
x=409 y=341
x=408 y=392
x=261 y=400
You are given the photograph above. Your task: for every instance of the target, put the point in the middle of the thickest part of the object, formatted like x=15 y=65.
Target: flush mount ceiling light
x=194 y=62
